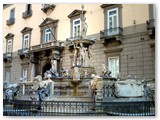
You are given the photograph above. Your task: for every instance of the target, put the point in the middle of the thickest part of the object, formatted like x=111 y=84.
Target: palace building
x=34 y=35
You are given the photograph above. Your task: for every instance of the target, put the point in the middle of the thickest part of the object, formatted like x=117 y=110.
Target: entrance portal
x=46 y=67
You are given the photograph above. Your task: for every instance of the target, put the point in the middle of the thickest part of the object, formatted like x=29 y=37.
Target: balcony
x=7 y=56
x=110 y=33
x=45 y=46
x=150 y=25
x=23 y=53
x=10 y=21
x=46 y=7
x=27 y=14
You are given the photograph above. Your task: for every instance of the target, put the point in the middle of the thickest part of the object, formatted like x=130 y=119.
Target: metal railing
x=10 y=21
x=150 y=24
x=47 y=45
x=55 y=108
x=45 y=7
x=27 y=14
x=111 y=32
x=23 y=51
x=7 y=55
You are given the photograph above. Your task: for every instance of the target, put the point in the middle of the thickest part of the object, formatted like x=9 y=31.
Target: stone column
x=54 y=64
x=51 y=85
x=23 y=89
x=32 y=71
x=52 y=88
x=99 y=95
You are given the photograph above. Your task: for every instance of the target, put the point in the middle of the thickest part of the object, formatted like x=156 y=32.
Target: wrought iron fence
x=54 y=108
x=111 y=32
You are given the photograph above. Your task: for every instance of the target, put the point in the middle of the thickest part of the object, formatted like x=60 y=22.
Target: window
x=28 y=8
x=48 y=35
x=112 y=21
x=12 y=13
x=28 y=11
x=76 y=27
x=24 y=74
x=9 y=46
x=113 y=63
x=11 y=19
x=75 y=17
x=48 y=30
x=26 y=37
x=26 y=41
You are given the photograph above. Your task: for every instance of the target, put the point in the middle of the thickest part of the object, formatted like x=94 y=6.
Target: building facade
x=34 y=35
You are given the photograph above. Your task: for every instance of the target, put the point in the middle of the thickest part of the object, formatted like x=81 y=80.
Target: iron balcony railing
x=107 y=33
x=71 y=108
x=10 y=21
x=27 y=14
x=150 y=24
x=7 y=55
x=46 y=7
x=23 y=51
x=47 y=45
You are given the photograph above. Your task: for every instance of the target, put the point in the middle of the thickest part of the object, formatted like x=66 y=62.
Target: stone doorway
x=46 y=67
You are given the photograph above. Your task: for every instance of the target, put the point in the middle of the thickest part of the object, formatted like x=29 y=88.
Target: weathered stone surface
x=129 y=88
x=84 y=71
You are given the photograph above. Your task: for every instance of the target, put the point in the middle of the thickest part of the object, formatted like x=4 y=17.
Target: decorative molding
x=9 y=35
x=76 y=12
x=26 y=29
x=107 y=5
x=115 y=49
x=48 y=21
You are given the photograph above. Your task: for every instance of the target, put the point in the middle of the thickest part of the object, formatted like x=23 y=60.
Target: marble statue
x=65 y=72
x=53 y=64
x=82 y=54
x=129 y=88
x=38 y=83
x=85 y=73
x=105 y=71
x=11 y=90
x=76 y=74
x=42 y=88
x=84 y=25
x=97 y=87
x=76 y=54
x=89 y=53
x=97 y=83
x=52 y=72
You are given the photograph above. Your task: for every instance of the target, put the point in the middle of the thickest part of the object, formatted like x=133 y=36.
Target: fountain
x=80 y=82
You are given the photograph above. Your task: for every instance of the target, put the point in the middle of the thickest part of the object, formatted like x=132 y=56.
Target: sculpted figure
x=76 y=54
x=76 y=74
x=65 y=72
x=105 y=70
x=84 y=25
x=97 y=86
x=82 y=54
x=89 y=53
x=41 y=88
x=97 y=83
x=11 y=90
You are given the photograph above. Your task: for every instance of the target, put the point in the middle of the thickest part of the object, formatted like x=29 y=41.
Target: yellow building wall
x=137 y=12
x=94 y=15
